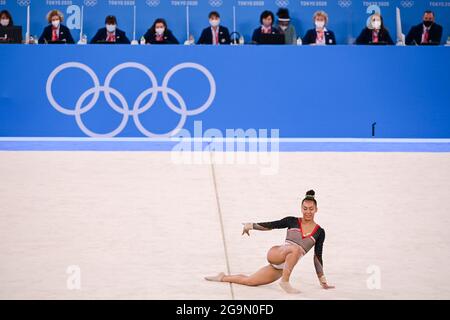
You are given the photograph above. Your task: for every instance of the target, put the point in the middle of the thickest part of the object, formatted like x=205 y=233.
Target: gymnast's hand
x=326 y=286
x=247 y=228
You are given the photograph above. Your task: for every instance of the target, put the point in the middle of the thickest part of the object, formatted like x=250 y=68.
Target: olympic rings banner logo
x=138 y=108
x=164 y=91
x=345 y=3
x=215 y=3
x=23 y=3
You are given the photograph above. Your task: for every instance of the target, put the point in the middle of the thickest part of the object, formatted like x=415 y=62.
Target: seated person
x=375 y=32
x=160 y=34
x=427 y=32
x=320 y=35
x=215 y=34
x=110 y=33
x=55 y=31
x=285 y=27
x=266 y=19
x=6 y=19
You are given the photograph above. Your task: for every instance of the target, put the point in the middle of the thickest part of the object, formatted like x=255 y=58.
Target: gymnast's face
x=309 y=209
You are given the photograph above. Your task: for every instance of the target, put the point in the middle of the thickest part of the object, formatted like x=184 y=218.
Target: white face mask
x=159 y=31
x=111 y=28
x=284 y=28
x=214 y=23
x=4 y=22
x=319 y=24
x=376 y=24
x=55 y=23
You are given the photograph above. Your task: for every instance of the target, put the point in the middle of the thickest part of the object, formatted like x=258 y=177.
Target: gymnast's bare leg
x=277 y=255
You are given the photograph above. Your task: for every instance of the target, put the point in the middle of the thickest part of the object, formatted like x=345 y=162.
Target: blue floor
x=284 y=146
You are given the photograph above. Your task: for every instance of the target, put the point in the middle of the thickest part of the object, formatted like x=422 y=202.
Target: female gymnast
x=302 y=234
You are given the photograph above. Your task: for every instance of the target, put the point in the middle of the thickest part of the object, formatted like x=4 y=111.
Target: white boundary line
x=222 y=228
x=300 y=140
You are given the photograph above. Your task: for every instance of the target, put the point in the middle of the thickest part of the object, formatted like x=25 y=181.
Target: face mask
x=214 y=23
x=111 y=27
x=4 y=22
x=159 y=31
x=55 y=23
x=320 y=24
x=284 y=28
x=427 y=23
x=376 y=24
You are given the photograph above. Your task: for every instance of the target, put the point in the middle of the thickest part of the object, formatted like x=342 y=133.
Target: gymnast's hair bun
x=310 y=194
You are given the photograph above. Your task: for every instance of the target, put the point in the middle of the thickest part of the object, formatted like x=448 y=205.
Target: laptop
x=11 y=34
x=272 y=38
x=379 y=43
x=105 y=42
x=56 y=42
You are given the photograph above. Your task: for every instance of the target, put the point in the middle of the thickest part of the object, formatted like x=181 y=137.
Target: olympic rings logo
x=344 y=3
x=215 y=3
x=23 y=3
x=90 y=3
x=152 y=3
x=124 y=109
x=407 y=4
x=282 y=3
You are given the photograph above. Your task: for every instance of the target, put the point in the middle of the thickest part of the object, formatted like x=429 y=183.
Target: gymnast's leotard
x=295 y=235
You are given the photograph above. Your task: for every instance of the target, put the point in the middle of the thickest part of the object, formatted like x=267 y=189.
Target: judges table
x=156 y=91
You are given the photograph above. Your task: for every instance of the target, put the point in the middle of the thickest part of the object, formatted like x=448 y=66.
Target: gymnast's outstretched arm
x=266 y=226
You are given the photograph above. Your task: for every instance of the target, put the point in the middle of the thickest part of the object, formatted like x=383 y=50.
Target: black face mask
x=427 y=23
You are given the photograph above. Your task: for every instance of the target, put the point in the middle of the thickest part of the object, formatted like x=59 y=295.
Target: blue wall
x=347 y=17
x=302 y=91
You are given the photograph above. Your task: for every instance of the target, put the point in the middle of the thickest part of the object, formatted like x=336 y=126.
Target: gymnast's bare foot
x=286 y=286
x=217 y=278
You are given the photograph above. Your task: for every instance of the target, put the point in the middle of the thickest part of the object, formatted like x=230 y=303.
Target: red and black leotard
x=295 y=235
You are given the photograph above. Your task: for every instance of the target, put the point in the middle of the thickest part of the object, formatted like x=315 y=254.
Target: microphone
x=83 y=39
x=235 y=38
x=134 y=41
x=400 y=35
